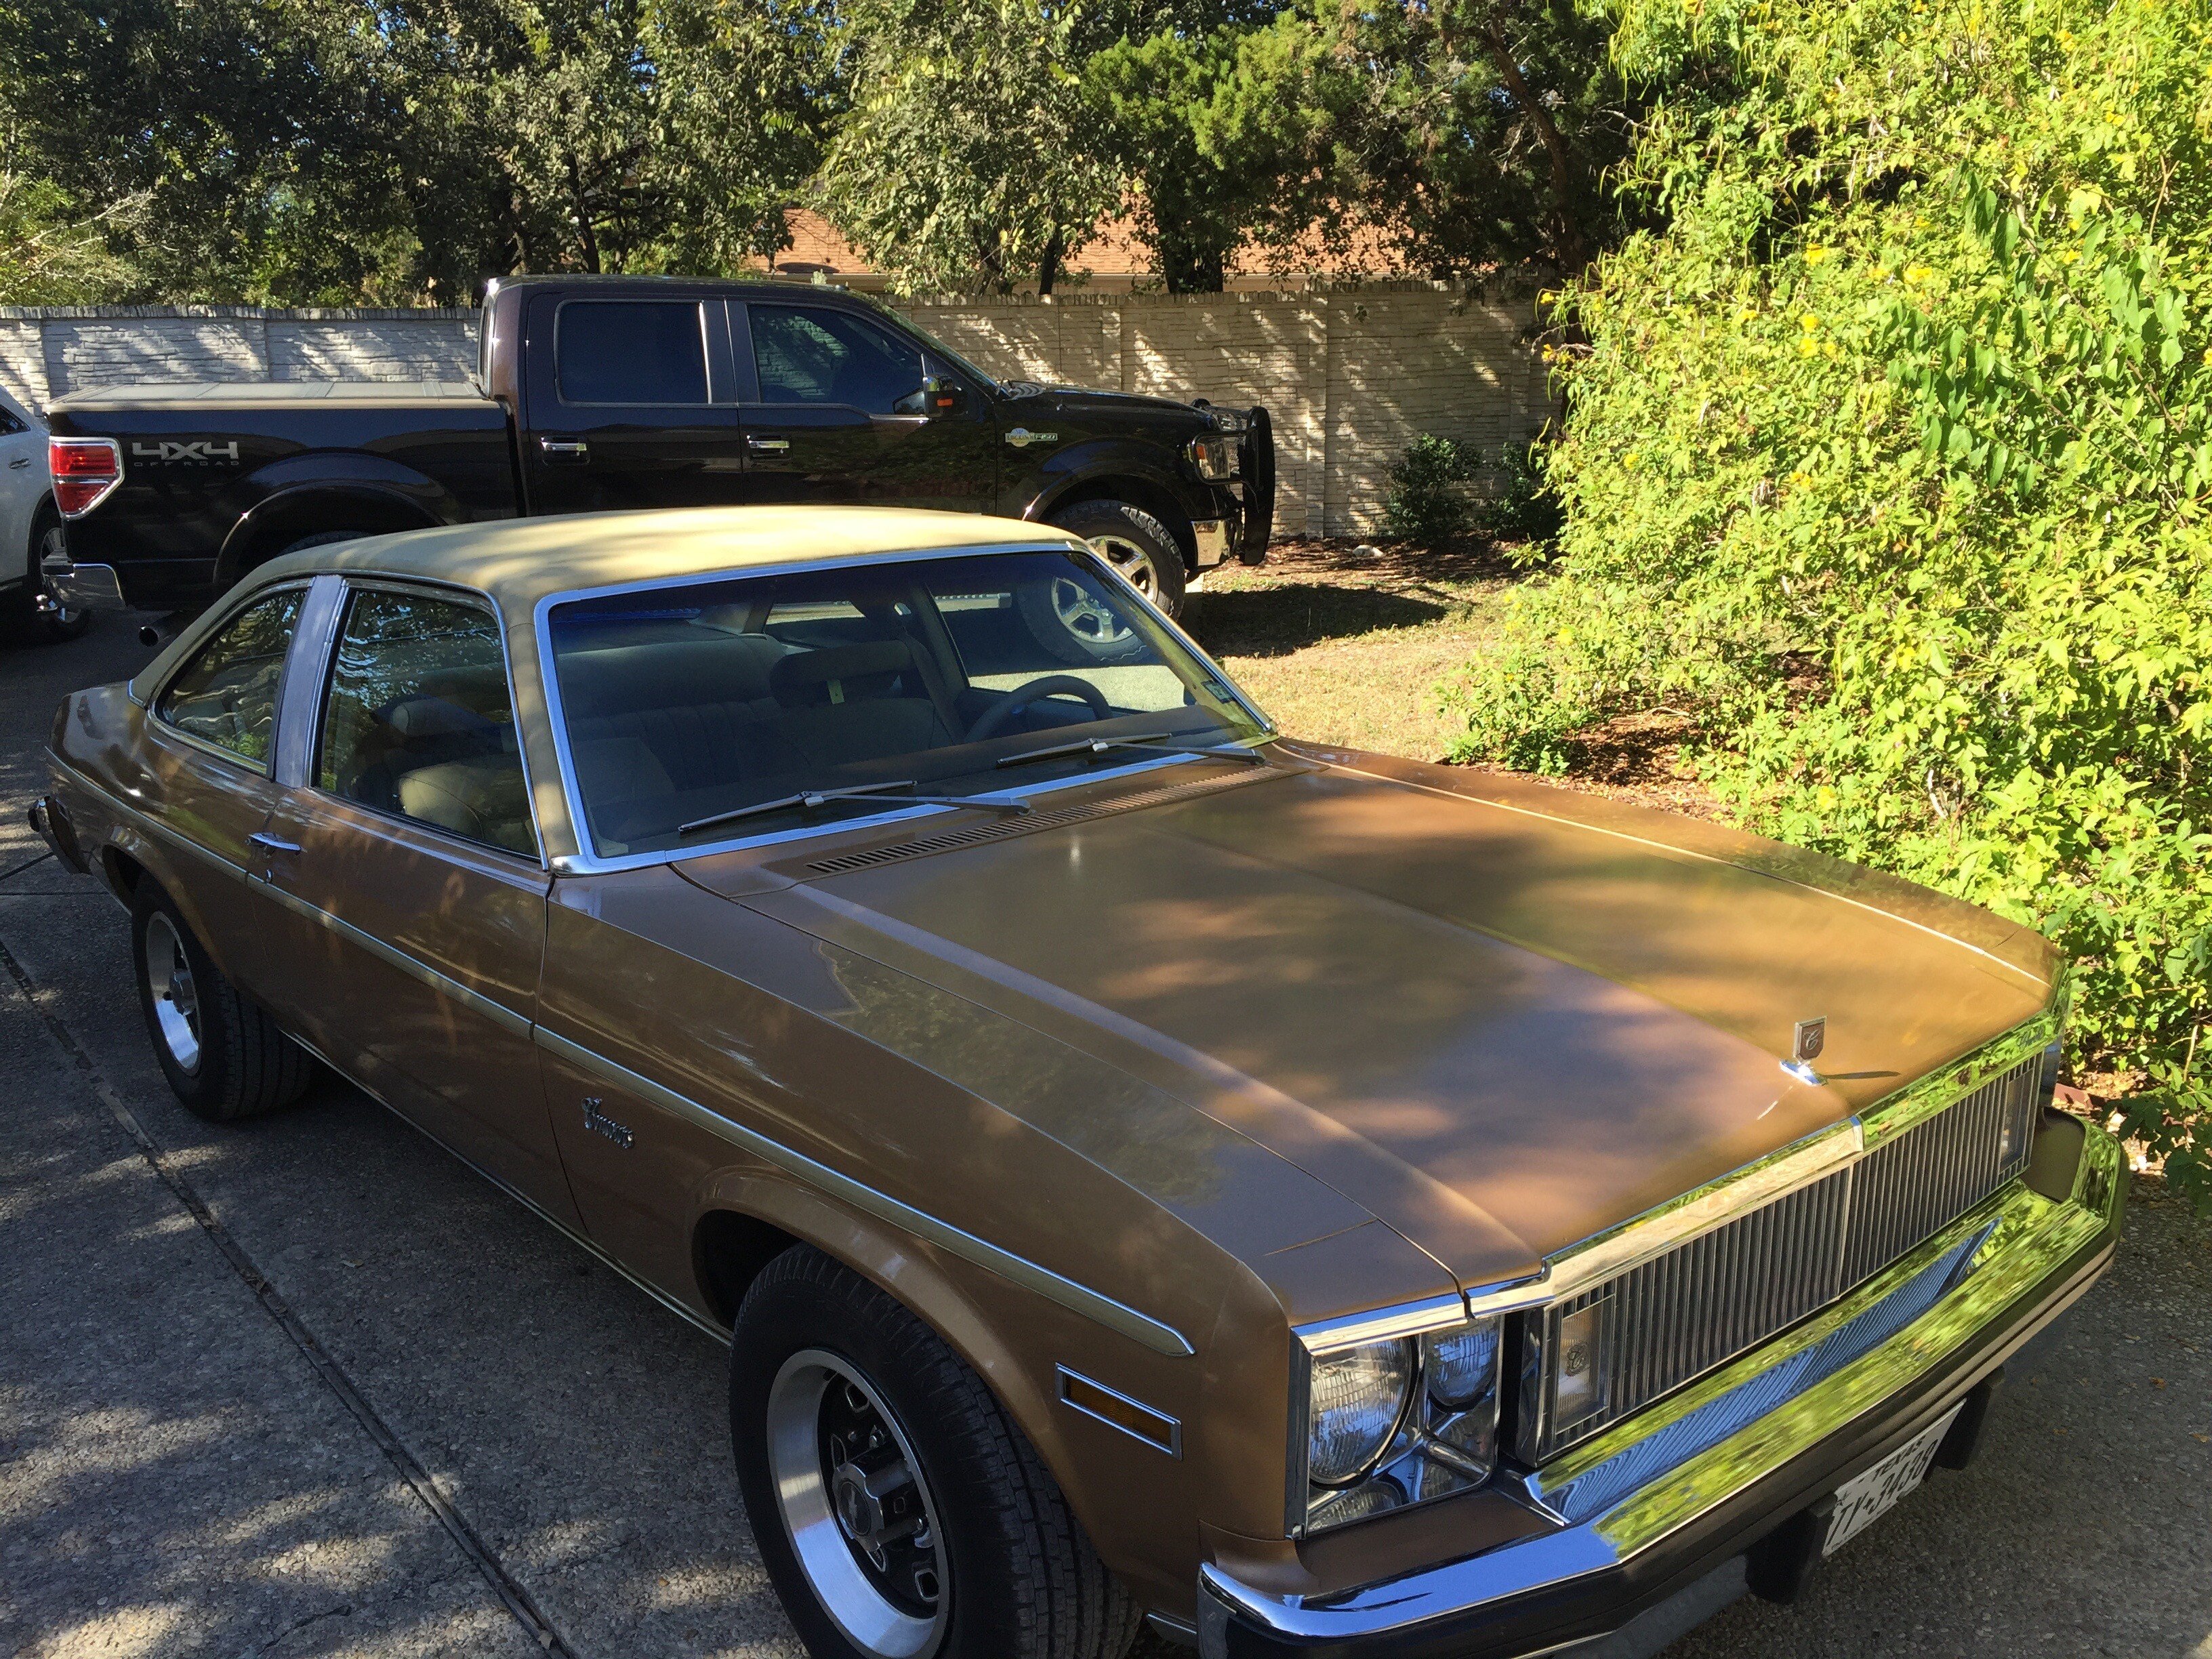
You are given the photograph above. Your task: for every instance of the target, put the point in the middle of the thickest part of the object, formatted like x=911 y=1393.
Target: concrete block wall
x=1351 y=374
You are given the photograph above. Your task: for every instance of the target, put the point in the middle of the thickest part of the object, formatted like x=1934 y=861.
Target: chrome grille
x=1660 y=1324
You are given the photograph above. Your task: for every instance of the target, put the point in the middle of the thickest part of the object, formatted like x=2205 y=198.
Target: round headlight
x=1357 y=1397
x=1461 y=1365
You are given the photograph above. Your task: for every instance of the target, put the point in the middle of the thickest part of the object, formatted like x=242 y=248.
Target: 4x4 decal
x=202 y=451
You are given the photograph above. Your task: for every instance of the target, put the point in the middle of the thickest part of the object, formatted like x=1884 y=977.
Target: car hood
x=1501 y=1018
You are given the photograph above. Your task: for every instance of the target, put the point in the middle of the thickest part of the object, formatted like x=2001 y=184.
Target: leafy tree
x=1891 y=461
x=966 y=161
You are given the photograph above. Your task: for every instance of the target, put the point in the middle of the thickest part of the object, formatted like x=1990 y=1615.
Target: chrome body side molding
x=1079 y=1298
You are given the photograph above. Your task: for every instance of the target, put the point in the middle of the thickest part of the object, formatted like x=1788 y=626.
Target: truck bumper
x=82 y=587
x=1666 y=1505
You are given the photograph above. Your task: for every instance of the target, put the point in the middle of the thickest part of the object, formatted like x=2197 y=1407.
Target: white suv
x=30 y=532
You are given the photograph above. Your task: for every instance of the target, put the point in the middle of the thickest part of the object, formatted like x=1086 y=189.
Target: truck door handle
x=269 y=843
x=21 y=460
x=768 y=446
x=561 y=452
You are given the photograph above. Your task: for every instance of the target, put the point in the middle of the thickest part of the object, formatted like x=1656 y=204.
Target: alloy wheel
x=174 y=997
x=859 y=1511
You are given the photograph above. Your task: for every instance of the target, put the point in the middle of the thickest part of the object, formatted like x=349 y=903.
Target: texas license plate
x=1862 y=1501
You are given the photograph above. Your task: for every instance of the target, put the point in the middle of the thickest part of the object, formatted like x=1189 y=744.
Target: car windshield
x=686 y=704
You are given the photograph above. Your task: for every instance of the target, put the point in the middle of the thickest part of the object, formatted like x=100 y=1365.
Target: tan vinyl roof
x=519 y=562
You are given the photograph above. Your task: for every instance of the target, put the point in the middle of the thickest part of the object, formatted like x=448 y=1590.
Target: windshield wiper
x=1107 y=745
x=815 y=797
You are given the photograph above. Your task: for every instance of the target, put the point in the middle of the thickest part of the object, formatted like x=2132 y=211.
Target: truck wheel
x=40 y=618
x=1135 y=544
x=223 y=1056
x=900 y=1514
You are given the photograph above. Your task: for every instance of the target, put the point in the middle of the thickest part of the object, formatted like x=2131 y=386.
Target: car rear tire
x=900 y=1513
x=224 y=1056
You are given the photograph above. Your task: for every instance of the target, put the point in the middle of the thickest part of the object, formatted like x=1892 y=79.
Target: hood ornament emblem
x=1806 y=1044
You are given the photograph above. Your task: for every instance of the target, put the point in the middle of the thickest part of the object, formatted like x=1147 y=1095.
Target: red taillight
x=85 y=470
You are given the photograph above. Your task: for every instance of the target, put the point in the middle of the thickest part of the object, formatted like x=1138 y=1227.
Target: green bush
x=1522 y=508
x=1426 y=502
x=1889 y=460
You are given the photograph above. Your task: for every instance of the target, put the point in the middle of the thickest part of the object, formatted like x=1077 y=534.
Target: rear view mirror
x=943 y=395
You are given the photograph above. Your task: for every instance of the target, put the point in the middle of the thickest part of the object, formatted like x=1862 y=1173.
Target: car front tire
x=900 y=1513
x=224 y=1056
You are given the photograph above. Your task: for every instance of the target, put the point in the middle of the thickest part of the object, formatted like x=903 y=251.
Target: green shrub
x=1426 y=502
x=1890 y=461
x=1522 y=508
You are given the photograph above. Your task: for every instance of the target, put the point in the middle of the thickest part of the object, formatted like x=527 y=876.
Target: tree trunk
x=1048 y=266
x=1191 y=268
x=580 y=207
x=1568 y=243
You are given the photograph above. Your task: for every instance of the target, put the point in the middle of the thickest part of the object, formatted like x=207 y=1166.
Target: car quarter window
x=630 y=351
x=813 y=354
x=418 y=720
x=227 y=694
x=10 y=421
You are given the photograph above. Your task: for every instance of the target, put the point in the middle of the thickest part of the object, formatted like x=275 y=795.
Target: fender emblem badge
x=600 y=1124
x=1021 y=437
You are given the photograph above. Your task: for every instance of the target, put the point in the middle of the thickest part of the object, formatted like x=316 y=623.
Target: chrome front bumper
x=83 y=587
x=1663 y=1499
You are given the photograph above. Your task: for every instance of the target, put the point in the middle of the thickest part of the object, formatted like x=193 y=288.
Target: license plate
x=1864 y=1500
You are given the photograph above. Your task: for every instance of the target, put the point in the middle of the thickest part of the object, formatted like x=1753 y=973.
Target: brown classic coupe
x=1144 y=1167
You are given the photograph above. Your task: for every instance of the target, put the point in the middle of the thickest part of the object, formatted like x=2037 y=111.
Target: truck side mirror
x=943 y=395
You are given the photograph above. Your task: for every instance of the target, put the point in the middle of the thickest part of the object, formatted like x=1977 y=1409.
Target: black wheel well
x=1138 y=492
x=284 y=520
x=728 y=1250
x=124 y=873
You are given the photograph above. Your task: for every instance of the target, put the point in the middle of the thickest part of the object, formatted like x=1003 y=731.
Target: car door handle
x=269 y=843
x=21 y=460
x=768 y=446
x=562 y=451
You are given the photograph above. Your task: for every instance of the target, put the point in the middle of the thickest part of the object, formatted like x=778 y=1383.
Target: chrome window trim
x=456 y=592
x=306 y=670
x=1018 y=1270
x=153 y=703
x=586 y=862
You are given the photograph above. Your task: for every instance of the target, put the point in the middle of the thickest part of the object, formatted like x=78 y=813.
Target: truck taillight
x=85 y=471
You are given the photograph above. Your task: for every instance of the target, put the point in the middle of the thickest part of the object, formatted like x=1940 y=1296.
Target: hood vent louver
x=1028 y=823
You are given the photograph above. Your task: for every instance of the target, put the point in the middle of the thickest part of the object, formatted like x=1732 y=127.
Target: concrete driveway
x=309 y=1387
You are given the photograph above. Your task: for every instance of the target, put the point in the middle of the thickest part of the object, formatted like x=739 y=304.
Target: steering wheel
x=1046 y=685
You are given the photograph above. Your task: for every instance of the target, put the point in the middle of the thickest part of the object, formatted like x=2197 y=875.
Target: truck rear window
x=630 y=351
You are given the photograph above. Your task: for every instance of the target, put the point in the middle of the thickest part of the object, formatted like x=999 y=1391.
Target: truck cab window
x=227 y=695
x=630 y=351
x=806 y=355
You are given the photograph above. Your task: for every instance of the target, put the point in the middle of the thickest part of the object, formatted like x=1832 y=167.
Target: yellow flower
x=1809 y=322
x=1833 y=350
x=1882 y=273
x=1814 y=255
x=1746 y=315
x=1629 y=459
x=1807 y=347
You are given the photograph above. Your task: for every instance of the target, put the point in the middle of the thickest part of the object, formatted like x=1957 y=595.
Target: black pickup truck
x=600 y=393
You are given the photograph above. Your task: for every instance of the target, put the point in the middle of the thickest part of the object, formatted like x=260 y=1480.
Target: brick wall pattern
x=1351 y=374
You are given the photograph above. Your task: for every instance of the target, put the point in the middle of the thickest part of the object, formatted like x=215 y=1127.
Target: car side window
x=810 y=355
x=630 y=351
x=10 y=421
x=227 y=694
x=417 y=721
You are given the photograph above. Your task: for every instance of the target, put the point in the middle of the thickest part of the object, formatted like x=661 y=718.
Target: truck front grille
x=1649 y=1329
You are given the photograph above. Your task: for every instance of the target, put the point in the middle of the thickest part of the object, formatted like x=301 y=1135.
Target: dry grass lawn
x=1347 y=647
